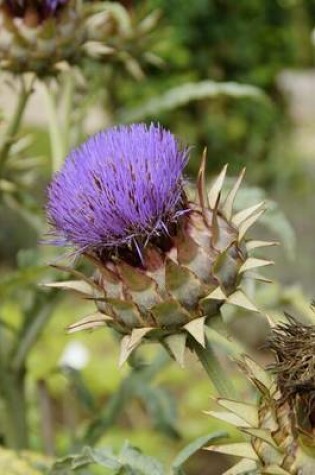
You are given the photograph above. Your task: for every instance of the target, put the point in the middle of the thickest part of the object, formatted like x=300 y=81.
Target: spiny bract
x=281 y=426
x=164 y=264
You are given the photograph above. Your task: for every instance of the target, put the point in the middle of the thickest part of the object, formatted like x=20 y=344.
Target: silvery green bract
x=164 y=264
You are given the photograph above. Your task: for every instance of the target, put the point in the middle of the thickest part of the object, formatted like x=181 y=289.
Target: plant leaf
x=192 y=448
x=185 y=93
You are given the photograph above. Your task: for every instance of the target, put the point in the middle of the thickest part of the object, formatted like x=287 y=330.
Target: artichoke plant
x=163 y=264
x=281 y=426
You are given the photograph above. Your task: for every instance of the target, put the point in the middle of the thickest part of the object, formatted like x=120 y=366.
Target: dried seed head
x=275 y=441
x=293 y=344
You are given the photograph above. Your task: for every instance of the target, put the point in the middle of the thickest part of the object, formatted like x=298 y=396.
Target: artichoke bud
x=41 y=35
x=281 y=426
x=164 y=265
x=35 y=36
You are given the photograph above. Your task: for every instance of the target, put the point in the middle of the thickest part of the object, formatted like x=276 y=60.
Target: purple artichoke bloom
x=44 y=8
x=52 y=5
x=163 y=265
x=122 y=187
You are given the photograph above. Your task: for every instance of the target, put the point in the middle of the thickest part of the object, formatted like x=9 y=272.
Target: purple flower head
x=123 y=186
x=44 y=8
x=52 y=5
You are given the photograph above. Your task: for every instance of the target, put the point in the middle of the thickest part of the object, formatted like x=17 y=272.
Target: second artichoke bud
x=36 y=35
x=164 y=265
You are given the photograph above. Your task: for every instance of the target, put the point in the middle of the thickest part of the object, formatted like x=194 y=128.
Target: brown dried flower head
x=293 y=344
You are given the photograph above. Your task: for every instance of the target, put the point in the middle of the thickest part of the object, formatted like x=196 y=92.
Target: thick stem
x=217 y=374
x=55 y=133
x=12 y=377
x=67 y=100
x=15 y=122
x=32 y=332
x=47 y=421
x=13 y=394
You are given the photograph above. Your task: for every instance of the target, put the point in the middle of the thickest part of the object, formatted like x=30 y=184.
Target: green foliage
x=191 y=449
x=159 y=404
x=129 y=461
x=186 y=93
x=244 y=42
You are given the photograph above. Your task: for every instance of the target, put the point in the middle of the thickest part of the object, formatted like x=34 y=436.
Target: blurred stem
x=31 y=218
x=47 y=421
x=15 y=122
x=12 y=390
x=32 y=333
x=12 y=376
x=68 y=104
x=211 y=364
x=55 y=133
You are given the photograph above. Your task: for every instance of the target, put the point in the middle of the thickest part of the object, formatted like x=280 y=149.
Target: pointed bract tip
x=228 y=205
x=90 y=322
x=201 y=185
x=254 y=263
x=216 y=294
x=216 y=188
x=176 y=344
x=196 y=328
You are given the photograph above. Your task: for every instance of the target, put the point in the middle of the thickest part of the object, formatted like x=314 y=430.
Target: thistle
x=37 y=35
x=163 y=264
x=281 y=426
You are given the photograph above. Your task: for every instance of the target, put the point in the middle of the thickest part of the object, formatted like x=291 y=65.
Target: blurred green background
x=267 y=44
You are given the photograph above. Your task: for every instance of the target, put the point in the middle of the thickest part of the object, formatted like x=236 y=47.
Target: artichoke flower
x=37 y=35
x=163 y=264
x=281 y=426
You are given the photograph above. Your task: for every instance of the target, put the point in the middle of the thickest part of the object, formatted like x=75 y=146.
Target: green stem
x=55 y=134
x=13 y=394
x=12 y=376
x=217 y=374
x=67 y=100
x=15 y=122
x=32 y=333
